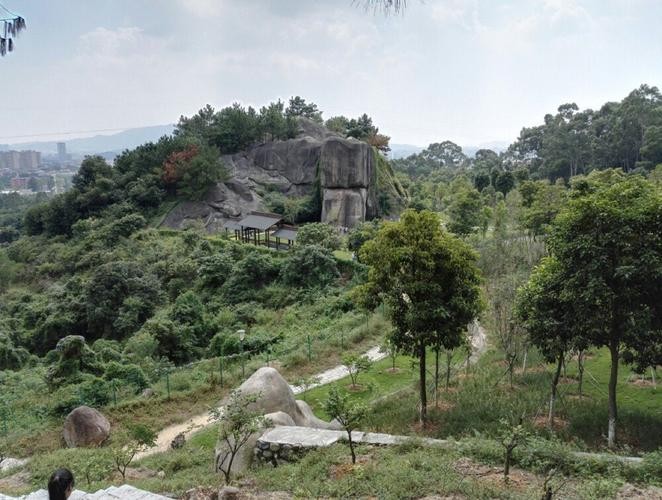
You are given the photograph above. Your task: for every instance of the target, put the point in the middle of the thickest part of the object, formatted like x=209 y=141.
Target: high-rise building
x=62 y=151
x=20 y=161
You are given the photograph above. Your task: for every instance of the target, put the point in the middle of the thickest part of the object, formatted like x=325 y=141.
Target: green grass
x=379 y=382
x=478 y=403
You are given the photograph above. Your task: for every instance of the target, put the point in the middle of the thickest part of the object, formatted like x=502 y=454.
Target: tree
x=319 y=233
x=465 y=211
x=348 y=414
x=356 y=364
x=510 y=437
x=309 y=266
x=608 y=245
x=299 y=107
x=238 y=421
x=547 y=314
x=429 y=281
x=509 y=333
x=127 y=445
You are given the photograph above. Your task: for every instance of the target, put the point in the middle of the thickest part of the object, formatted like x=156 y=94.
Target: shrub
x=309 y=266
x=319 y=233
x=127 y=373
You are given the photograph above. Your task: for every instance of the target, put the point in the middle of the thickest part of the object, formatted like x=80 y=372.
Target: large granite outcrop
x=342 y=170
x=276 y=401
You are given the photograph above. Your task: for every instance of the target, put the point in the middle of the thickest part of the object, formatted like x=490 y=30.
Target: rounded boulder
x=85 y=427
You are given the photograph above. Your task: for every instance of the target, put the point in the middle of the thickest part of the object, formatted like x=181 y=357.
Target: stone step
x=124 y=492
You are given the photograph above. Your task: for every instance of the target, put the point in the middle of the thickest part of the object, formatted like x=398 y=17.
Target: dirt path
x=194 y=424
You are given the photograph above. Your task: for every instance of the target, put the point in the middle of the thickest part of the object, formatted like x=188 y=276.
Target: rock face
x=342 y=171
x=276 y=401
x=85 y=426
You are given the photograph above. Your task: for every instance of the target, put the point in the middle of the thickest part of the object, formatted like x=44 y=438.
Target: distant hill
x=404 y=150
x=109 y=145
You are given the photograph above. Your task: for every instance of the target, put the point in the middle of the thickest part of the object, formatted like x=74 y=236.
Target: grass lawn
x=478 y=403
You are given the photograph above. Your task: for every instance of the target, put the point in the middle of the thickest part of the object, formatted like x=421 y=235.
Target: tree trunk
x=580 y=371
x=613 y=379
x=506 y=467
x=351 y=446
x=449 y=358
x=436 y=377
x=526 y=353
x=423 y=390
x=552 y=397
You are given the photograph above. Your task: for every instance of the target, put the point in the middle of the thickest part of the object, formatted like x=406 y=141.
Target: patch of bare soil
x=530 y=369
x=577 y=397
x=356 y=387
x=392 y=370
x=449 y=497
x=567 y=380
x=140 y=473
x=631 y=492
x=517 y=479
x=559 y=423
x=639 y=382
x=338 y=471
x=440 y=406
x=15 y=482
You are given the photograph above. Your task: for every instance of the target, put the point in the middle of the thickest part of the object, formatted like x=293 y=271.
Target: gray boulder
x=277 y=403
x=276 y=395
x=85 y=426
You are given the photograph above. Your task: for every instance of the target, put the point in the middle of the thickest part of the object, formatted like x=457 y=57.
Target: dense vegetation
x=562 y=254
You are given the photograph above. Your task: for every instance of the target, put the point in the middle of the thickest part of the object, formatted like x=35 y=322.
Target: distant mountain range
x=404 y=150
x=106 y=144
x=112 y=144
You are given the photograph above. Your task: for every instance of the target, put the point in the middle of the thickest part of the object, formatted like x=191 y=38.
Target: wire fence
x=224 y=370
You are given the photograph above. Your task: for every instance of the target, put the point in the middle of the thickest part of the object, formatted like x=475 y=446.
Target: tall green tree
x=608 y=242
x=430 y=282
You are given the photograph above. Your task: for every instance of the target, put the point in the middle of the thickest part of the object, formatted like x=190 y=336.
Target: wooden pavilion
x=261 y=228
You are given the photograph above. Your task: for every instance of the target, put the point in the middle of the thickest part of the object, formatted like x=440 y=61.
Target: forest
x=554 y=245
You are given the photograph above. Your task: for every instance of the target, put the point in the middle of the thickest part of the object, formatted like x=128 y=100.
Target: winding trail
x=194 y=424
x=198 y=422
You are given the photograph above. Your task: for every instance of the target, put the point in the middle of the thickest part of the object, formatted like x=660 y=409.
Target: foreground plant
x=126 y=446
x=238 y=420
x=347 y=413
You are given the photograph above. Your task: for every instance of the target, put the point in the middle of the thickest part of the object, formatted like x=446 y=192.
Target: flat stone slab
x=308 y=437
x=124 y=492
x=305 y=437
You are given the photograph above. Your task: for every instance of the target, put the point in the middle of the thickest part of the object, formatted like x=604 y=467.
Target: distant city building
x=19 y=183
x=62 y=151
x=20 y=161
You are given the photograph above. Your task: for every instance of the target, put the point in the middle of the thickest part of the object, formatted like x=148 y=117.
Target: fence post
x=3 y=412
x=220 y=367
x=342 y=340
x=310 y=356
x=114 y=385
x=168 y=383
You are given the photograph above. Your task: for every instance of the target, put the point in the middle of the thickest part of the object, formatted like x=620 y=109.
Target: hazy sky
x=467 y=70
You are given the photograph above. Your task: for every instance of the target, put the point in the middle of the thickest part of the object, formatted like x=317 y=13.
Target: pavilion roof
x=259 y=220
x=286 y=233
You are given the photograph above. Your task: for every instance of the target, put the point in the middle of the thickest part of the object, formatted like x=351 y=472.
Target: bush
x=89 y=466
x=319 y=233
x=127 y=373
x=309 y=266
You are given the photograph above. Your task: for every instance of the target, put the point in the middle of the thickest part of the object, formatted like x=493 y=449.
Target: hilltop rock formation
x=351 y=181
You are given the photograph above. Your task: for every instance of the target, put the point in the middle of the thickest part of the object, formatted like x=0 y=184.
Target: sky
x=470 y=71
